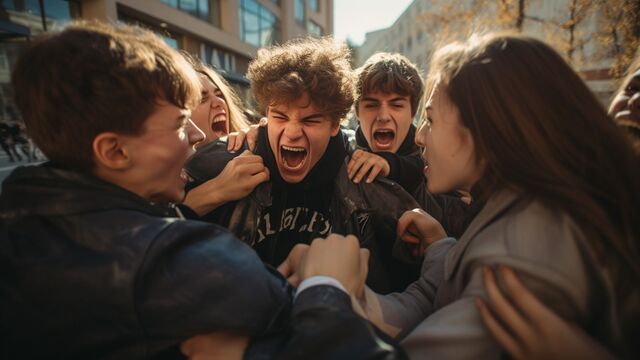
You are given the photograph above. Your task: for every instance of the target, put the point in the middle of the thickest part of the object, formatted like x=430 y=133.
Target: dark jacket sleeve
x=197 y=278
x=324 y=326
x=406 y=170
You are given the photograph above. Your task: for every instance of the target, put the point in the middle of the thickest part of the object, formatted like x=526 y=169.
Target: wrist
x=204 y=198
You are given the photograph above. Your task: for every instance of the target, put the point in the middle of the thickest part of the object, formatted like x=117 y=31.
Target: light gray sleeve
x=398 y=313
x=456 y=331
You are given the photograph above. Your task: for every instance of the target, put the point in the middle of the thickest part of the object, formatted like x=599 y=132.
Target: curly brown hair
x=390 y=73
x=319 y=67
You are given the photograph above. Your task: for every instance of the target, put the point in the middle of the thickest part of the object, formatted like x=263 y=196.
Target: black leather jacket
x=89 y=270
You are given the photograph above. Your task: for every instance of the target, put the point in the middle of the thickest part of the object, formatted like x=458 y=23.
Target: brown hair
x=90 y=78
x=390 y=73
x=281 y=74
x=237 y=119
x=542 y=132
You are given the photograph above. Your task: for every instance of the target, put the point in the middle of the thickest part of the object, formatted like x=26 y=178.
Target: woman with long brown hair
x=510 y=121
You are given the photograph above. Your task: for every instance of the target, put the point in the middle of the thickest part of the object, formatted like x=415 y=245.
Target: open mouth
x=384 y=137
x=219 y=125
x=293 y=157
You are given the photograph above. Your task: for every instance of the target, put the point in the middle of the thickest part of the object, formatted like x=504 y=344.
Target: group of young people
x=165 y=226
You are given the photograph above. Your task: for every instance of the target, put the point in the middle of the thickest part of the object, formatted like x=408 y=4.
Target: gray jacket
x=551 y=256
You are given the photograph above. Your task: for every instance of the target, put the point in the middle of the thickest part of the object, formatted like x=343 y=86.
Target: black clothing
x=297 y=208
x=277 y=215
x=406 y=164
x=89 y=270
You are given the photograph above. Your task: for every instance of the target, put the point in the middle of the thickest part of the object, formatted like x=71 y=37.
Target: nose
x=634 y=105
x=421 y=137
x=217 y=102
x=194 y=134
x=383 y=114
x=293 y=130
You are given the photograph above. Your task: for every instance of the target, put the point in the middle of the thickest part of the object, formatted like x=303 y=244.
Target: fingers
x=375 y=170
x=499 y=333
x=351 y=166
x=406 y=229
x=525 y=301
x=235 y=140
x=502 y=307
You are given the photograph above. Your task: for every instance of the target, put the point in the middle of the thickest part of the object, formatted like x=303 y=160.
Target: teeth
x=219 y=118
x=288 y=148
x=384 y=131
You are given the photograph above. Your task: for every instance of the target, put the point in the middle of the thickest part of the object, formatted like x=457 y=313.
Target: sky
x=354 y=18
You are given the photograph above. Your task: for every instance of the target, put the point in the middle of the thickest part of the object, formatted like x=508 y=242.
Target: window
x=197 y=8
x=258 y=26
x=314 y=5
x=299 y=11
x=218 y=58
x=28 y=13
x=314 y=29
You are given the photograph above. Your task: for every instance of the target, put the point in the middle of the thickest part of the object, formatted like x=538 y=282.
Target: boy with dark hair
x=305 y=88
x=95 y=261
x=388 y=92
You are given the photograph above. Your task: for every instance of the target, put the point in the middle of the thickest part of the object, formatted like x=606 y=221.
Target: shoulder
x=544 y=245
x=209 y=160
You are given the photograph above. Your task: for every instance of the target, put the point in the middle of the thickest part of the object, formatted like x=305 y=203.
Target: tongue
x=383 y=137
x=293 y=158
x=219 y=129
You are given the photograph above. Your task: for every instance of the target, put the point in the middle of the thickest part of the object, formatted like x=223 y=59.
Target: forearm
x=205 y=198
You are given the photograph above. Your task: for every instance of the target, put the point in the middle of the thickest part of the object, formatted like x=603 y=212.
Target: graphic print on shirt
x=298 y=219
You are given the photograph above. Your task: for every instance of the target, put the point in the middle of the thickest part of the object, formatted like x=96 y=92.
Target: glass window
x=198 y=8
x=218 y=58
x=314 y=5
x=299 y=11
x=59 y=12
x=314 y=29
x=258 y=26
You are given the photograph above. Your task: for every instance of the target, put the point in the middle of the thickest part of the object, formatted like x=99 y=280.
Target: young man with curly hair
x=305 y=87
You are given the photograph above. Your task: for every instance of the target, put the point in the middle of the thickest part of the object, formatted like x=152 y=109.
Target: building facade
x=418 y=29
x=225 y=34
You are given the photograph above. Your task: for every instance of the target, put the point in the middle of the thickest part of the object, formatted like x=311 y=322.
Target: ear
x=335 y=127
x=109 y=152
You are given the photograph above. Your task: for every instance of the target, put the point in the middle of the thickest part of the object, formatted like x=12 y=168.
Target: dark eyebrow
x=279 y=113
x=312 y=116
x=399 y=98
x=369 y=99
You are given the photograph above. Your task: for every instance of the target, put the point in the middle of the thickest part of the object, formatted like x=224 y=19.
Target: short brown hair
x=390 y=73
x=90 y=78
x=237 y=119
x=319 y=67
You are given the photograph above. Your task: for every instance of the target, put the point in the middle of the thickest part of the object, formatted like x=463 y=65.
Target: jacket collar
x=497 y=204
x=52 y=190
